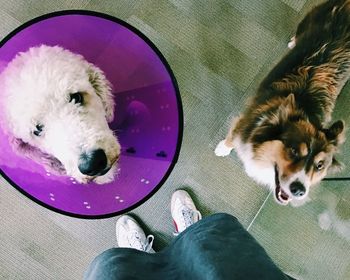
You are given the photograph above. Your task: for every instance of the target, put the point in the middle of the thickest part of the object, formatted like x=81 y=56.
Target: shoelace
x=136 y=242
x=188 y=218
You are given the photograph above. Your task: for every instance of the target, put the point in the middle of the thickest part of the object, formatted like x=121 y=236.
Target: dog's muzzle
x=93 y=163
x=297 y=189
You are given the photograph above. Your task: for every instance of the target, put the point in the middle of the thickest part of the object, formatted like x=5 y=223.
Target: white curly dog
x=57 y=107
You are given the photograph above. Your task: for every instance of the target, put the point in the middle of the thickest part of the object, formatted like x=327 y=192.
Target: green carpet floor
x=219 y=52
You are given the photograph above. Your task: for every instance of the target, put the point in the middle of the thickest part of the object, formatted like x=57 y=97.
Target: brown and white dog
x=284 y=138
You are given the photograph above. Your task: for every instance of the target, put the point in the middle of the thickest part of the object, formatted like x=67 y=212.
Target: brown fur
x=286 y=123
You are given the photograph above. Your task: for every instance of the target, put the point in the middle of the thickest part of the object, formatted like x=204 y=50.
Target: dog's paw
x=222 y=150
x=108 y=177
x=292 y=43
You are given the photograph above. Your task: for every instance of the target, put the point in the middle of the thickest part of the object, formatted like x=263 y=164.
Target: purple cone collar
x=148 y=114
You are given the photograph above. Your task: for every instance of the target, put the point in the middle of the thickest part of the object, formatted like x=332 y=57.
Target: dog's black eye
x=294 y=152
x=76 y=97
x=320 y=165
x=39 y=130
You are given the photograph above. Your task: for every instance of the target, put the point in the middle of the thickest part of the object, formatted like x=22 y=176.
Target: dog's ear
x=49 y=162
x=103 y=89
x=336 y=133
x=287 y=107
x=289 y=102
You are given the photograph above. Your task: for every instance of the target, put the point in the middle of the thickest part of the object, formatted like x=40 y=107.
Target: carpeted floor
x=219 y=52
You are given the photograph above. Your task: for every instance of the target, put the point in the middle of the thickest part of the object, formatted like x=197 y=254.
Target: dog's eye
x=76 y=97
x=320 y=165
x=294 y=152
x=39 y=129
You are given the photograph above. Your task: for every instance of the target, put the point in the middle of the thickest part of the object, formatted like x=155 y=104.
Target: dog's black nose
x=297 y=189
x=92 y=163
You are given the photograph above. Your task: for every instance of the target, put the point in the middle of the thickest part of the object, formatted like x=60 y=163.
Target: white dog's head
x=57 y=108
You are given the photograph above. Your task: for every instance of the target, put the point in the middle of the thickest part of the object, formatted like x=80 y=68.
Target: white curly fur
x=37 y=87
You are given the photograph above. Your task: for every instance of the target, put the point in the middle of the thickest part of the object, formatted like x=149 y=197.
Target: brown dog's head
x=300 y=153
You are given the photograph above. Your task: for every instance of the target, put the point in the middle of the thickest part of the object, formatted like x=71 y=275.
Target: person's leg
x=125 y=264
x=218 y=247
x=118 y=263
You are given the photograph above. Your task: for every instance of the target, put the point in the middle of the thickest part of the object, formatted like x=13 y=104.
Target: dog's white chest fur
x=259 y=172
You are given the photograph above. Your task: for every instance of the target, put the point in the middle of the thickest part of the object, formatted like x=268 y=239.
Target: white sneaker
x=130 y=235
x=183 y=211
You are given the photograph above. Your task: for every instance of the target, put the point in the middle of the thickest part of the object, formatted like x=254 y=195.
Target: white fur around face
x=262 y=170
x=108 y=177
x=261 y=173
x=38 y=84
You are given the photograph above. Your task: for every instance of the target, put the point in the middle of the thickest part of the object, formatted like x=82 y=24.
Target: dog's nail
x=131 y=150
x=161 y=154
